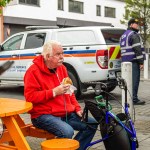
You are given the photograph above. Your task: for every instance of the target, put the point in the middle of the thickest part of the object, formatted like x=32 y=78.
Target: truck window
x=35 y=40
x=76 y=37
x=13 y=43
x=112 y=36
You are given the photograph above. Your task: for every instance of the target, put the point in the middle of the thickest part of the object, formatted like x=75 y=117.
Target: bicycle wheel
x=117 y=136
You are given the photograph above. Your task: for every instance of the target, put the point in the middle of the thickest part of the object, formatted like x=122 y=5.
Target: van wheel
x=111 y=88
x=75 y=83
x=111 y=85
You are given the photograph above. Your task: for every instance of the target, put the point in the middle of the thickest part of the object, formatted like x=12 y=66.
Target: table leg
x=16 y=133
x=19 y=120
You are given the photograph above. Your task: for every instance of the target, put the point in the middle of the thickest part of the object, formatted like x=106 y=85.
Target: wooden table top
x=9 y=107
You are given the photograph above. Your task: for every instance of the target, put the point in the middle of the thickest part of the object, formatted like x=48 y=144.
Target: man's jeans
x=64 y=127
x=135 y=80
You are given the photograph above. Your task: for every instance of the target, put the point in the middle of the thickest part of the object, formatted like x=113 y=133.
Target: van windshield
x=112 y=36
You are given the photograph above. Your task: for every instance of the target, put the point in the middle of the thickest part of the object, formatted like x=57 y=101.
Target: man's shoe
x=139 y=102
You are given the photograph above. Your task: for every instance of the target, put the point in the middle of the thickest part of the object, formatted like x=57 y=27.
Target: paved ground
x=142 y=119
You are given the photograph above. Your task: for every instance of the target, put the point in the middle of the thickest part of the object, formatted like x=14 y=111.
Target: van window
x=35 y=40
x=13 y=43
x=112 y=36
x=76 y=37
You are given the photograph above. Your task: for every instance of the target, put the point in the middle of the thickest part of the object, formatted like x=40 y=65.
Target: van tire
x=111 y=88
x=75 y=83
x=111 y=85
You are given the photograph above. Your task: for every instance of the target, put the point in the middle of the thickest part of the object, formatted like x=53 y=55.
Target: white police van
x=91 y=54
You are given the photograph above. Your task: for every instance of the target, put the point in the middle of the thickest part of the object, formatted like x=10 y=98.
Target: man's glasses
x=58 y=55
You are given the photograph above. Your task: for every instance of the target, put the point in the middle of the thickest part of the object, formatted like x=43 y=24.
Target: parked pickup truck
x=91 y=54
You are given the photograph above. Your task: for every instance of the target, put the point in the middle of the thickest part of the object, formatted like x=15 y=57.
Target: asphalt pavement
x=141 y=122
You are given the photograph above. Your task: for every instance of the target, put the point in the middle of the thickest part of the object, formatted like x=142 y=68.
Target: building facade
x=63 y=13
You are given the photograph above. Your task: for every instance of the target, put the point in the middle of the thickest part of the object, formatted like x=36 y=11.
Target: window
x=75 y=6
x=60 y=4
x=30 y=2
x=35 y=40
x=77 y=37
x=110 y=12
x=14 y=43
x=112 y=36
x=98 y=10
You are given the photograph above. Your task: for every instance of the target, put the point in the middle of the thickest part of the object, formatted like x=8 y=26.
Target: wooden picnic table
x=16 y=129
x=9 y=113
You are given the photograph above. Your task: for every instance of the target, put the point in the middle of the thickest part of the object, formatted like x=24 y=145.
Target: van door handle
x=87 y=47
x=38 y=53
x=71 y=48
x=64 y=49
x=14 y=55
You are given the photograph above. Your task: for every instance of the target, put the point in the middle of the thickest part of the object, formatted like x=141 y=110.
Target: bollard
x=126 y=70
x=146 y=66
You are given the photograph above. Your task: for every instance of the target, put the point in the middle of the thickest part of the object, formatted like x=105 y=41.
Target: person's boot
x=138 y=102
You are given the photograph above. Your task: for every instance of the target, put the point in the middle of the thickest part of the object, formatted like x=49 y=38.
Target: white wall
x=48 y=11
x=90 y=11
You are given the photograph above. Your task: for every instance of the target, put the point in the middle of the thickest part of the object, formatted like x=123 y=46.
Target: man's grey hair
x=48 y=48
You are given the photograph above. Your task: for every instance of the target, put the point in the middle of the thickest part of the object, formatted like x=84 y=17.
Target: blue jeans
x=135 y=80
x=64 y=127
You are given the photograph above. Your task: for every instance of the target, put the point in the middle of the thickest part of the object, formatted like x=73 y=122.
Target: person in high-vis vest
x=132 y=50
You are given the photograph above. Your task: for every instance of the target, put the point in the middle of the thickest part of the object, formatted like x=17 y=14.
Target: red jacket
x=38 y=85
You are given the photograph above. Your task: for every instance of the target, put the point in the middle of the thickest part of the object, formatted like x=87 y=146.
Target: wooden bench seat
x=7 y=147
x=28 y=130
x=60 y=144
x=35 y=132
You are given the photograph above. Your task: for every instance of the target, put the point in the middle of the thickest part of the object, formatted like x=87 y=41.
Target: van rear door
x=112 y=38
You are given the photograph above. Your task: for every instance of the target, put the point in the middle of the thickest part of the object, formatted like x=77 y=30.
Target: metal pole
x=146 y=66
x=126 y=71
x=1 y=25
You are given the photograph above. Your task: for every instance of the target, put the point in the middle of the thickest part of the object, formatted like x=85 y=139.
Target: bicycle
x=117 y=131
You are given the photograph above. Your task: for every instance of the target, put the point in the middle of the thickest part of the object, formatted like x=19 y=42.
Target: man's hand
x=141 y=67
x=79 y=113
x=61 y=89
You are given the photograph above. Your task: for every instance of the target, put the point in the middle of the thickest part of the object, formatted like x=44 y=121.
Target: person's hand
x=141 y=67
x=79 y=113
x=61 y=89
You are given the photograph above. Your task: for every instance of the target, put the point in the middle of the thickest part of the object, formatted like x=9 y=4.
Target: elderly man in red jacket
x=53 y=109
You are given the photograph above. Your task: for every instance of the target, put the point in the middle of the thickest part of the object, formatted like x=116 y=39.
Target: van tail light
x=102 y=58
